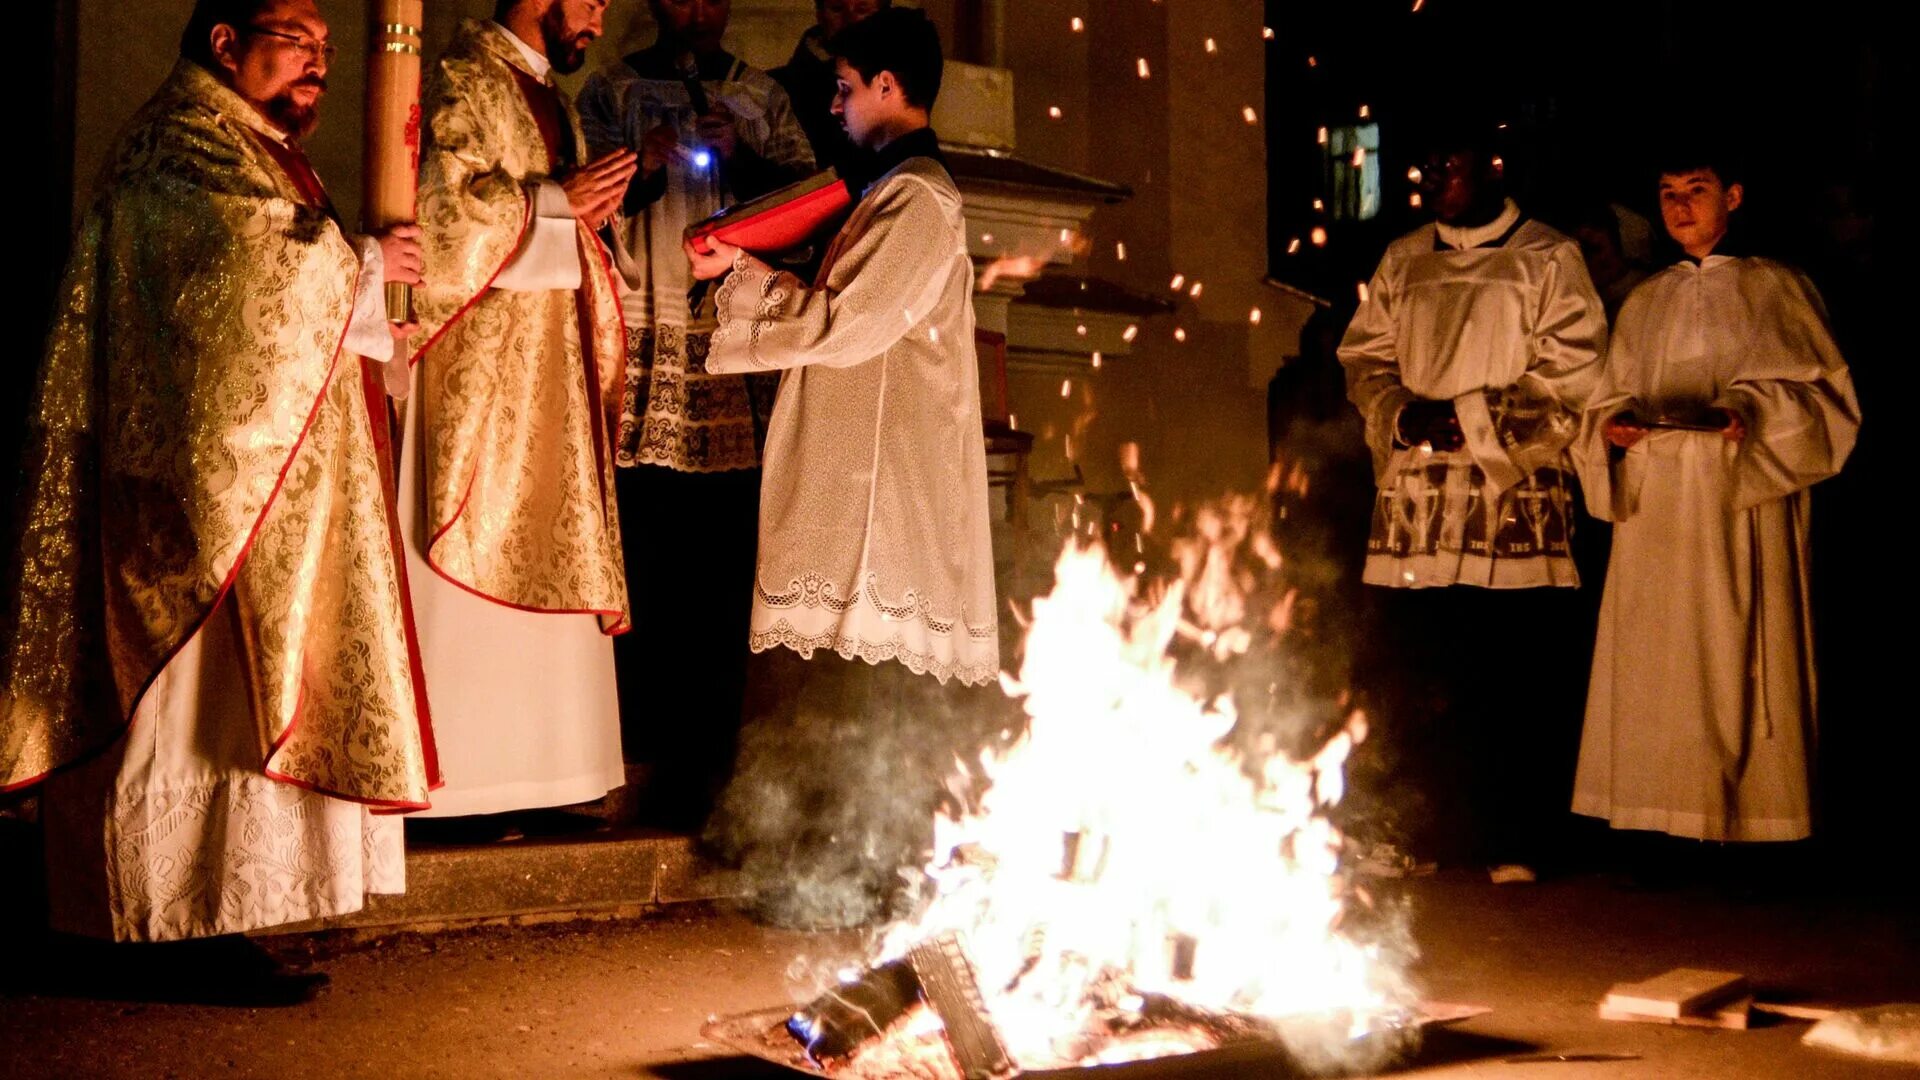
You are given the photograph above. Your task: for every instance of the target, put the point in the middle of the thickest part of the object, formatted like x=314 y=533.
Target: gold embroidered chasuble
x=519 y=473
x=198 y=438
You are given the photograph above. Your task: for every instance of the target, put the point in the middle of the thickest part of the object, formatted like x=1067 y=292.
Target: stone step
x=627 y=872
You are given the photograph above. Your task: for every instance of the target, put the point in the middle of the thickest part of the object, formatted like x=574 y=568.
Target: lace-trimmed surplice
x=873 y=516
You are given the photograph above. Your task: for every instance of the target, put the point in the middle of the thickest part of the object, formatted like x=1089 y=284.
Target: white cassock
x=524 y=707
x=1700 y=717
x=198 y=840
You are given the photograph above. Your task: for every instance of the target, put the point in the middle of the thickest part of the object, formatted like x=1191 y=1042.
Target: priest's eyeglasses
x=317 y=51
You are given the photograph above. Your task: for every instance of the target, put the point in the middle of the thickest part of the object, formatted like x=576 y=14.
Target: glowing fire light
x=1053 y=111
x=1016 y=266
x=1365 y=112
x=1267 y=32
x=1178 y=281
x=1247 y=114
x=1293 y=246
x=1096 y=361
x=1212 y=47
x=1195 y=291
x=1140 y=66
x=1078 y=24
x=1319 y=236
x=1079 y=897
x=1321 y=136
x=1132 y=331
x=1120 y=250
x=1253 y=316
x=1179 y=333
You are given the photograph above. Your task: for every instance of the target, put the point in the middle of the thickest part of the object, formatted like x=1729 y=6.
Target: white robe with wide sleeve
x=1700 y=717
x=873 y=511
x=1503 y=322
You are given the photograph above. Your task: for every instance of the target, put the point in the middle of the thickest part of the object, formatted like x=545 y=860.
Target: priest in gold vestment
x=506 y=477
x=205 y=650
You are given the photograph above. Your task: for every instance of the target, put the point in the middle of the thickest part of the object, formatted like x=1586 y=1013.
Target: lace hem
x=783 y=635
x=817 y=591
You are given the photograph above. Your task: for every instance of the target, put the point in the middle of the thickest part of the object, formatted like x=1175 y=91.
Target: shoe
x=228 y=970
x=1513 y=874
x=270 y=990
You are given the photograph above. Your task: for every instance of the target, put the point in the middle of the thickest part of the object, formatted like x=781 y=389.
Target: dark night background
x=1589 y=94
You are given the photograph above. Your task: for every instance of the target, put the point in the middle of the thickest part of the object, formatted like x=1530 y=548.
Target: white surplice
x=1502 y=321
x=1701 y=712
x=874 y=537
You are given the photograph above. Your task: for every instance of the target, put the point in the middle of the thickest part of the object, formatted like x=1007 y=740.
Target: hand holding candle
x=393 y=146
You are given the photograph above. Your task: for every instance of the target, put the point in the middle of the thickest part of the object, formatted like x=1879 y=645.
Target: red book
x=779 y=220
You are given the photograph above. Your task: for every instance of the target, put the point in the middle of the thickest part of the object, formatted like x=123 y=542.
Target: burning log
x=862 y=1010
x=947 y=980
x=1083 y=856
x=857 y=1011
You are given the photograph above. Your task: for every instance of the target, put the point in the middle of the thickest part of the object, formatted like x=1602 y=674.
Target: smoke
x=842 y=767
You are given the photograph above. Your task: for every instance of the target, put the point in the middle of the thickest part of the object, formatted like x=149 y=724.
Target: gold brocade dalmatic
x=519 y=471
x=200 y=438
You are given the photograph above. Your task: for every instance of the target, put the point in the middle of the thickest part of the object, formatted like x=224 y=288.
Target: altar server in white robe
x=1470 y=359
x=1724 y=400
x=874 y=614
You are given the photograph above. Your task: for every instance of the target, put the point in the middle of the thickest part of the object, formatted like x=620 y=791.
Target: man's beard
x=574 y=59
x=566 y=51
x=297 y=120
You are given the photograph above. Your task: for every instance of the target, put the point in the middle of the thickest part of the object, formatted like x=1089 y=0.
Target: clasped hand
x=1431 y=422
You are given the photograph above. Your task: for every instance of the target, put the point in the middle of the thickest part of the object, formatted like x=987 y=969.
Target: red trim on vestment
x=583 y=307
x=526 y=222
x=233 y=573
x=271 y=773
x=373 y=389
